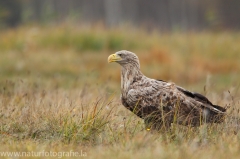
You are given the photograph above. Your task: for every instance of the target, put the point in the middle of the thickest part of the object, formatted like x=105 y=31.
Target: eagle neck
x=129 y=75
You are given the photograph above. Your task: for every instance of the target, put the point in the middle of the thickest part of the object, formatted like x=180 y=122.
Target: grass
x=58 y=93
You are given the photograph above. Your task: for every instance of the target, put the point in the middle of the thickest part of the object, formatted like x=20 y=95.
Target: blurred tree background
x=187 y=34
x=166 y=15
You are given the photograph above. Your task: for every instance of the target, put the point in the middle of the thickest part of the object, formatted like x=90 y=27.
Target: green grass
x=58 y=93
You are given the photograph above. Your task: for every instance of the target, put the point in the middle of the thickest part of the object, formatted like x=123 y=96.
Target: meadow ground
x=59 y=95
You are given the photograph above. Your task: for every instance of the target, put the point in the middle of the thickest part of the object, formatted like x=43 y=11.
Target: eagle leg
x=154 y=120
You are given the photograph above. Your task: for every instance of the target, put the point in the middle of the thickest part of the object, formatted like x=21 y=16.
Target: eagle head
x=124 y=58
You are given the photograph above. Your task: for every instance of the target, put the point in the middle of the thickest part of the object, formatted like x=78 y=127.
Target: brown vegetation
x=59 y=95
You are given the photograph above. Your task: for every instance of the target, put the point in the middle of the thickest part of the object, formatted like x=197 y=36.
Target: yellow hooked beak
x=114 y=58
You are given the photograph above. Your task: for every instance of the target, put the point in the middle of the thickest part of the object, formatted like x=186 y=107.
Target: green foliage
x=88 y=42
x=86 y=129
x=115 y=42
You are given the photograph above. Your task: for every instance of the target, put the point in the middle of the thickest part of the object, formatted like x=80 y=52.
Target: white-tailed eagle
x=161 y=103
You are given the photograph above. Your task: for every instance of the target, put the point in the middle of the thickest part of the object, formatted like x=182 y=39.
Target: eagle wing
x=155 y=96
x=145 y=93
x=202 y=99
x=143 y=97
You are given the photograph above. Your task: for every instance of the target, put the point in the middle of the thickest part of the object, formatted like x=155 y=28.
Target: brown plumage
x=161 y=103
